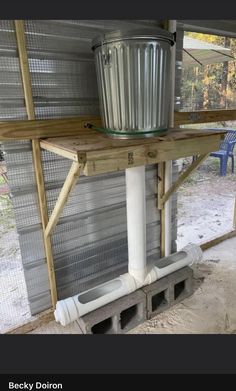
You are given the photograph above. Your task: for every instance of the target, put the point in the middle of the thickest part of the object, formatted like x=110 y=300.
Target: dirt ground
x=206 y=204
x=211 y=309
x=205 y=210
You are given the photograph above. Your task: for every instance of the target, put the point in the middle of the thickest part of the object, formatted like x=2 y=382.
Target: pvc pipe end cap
x=194 y=251
x=60 y=313
x=56 y=316
x=66 y=311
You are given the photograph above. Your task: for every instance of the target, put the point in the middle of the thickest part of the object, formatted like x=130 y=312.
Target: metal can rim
x=124 y=35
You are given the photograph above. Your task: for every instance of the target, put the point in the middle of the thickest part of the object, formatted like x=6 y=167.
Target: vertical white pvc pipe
x=168 y=209
x=168 y=168
x=136 y=221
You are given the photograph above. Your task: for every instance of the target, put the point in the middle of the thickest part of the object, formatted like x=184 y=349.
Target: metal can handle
x=106 y=58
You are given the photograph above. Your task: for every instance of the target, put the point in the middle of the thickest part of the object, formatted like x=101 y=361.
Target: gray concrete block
x=169 y=290
x=117 y=317
x=182 y=284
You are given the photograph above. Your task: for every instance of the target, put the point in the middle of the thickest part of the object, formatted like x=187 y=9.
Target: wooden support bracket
x=68 y=186
x=163 y=198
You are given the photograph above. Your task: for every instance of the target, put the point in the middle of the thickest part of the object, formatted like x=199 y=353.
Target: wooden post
x=26 y=81
x=161 y=188
x=63 y=196
x=166 y=211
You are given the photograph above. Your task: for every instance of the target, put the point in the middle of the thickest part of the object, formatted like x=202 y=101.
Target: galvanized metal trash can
x=133 y=74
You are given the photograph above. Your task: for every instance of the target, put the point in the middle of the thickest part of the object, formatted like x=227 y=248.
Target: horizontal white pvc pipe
x=136 y=221
x=187 y=256
x=72 y=308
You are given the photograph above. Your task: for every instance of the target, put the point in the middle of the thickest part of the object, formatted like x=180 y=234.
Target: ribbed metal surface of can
x=133 y=74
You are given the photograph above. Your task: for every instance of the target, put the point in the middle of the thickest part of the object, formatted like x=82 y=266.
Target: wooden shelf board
x=100 y=153
x=36 y=129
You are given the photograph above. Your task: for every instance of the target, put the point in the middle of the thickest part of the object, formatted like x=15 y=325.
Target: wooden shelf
x=98 y=153
x=94 y=153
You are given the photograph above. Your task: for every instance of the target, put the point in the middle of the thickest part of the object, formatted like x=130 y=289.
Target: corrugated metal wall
x=90 y=241
x=11 y=92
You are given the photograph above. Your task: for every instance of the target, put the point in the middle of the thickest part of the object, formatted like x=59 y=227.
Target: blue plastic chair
x=226 y=150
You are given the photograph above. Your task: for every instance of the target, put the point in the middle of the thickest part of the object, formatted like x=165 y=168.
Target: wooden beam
x=30 y=130
x=27 y=327
x=25 y=74
x=217 y=240
x=24 y=67
x=68 y=186
x=181 y=179
x=71 y=155
x=234 y=217
x=198 y=117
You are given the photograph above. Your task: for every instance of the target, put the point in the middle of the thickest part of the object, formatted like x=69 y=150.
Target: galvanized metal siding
x=90 y=241
x=11 y=92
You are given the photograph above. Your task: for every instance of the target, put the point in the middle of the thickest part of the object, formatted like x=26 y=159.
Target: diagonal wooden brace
x=162 y=199
x=68 y=186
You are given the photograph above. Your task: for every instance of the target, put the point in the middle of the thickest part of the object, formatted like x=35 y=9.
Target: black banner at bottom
x=70 y=382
